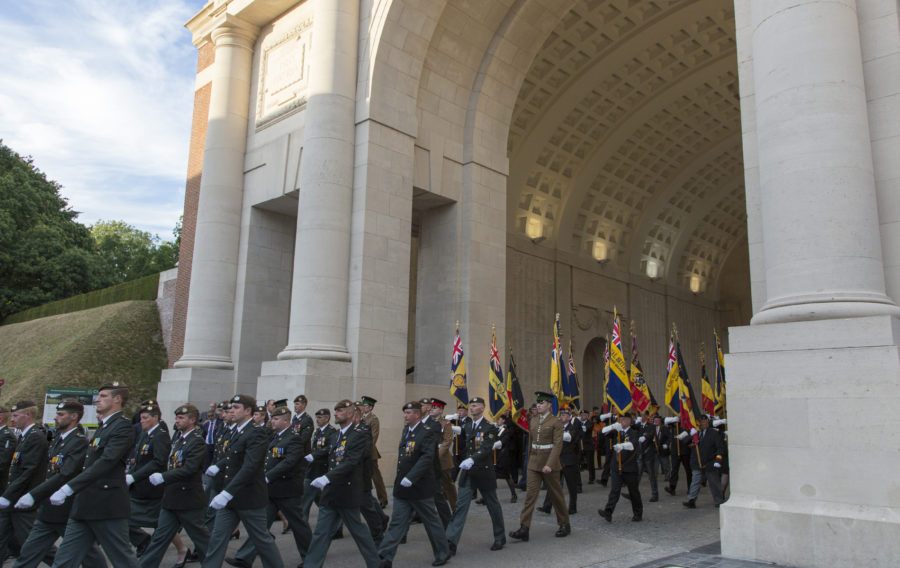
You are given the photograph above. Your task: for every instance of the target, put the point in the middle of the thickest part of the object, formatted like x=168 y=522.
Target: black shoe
x=192 y=556
x=654 y=499
x=520 y=533
x=231 y=561
x=564 y=530
x=670 y=490
x=579 y=490
x=690 y=504
x=338 y=534
x=139 y=549
x=572 y=510
x=180 y=564
x=403 y=539
x=479 y=501
x=498 y=544
x=637 y=519
x=605 y=514
x=236 y=535
x=286 y=529
x=384 y=564
x=452 y=548
x=383 y=504
x=545 y=510
x=513 y=499
x=603 y=482
x=439 y=562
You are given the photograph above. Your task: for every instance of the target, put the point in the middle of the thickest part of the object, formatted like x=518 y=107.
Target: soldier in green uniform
x=150 y=454
x=368 y=405
x=26 y=471
x=244 y=497
x=8 y=442
x=216 y=481
x=101 y=507
x=183 y=500
x=323 y=440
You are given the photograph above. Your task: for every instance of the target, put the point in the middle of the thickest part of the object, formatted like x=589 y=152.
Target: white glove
x=267 y=479
x=4 y=503
x=682 y=436
x=156 y=479
x=628 y=446
x=642 y=439
x=320 y=482
x=405 y=482
x=467 y=464
x=212 y=471
x=693 y=431
x=617 y=427
x=61 y=495
x=497 y=445
x=129 y=479
x=309 y=458
x=606 y=416
x=607 y=429
x=220 y=500
x=665 y=446
x=638 y=420
x=671 y=420
x=25 y=502
x=456 y=430
x=617 y=447
x=451 y=417
x=719 y=422
x=567 y=437
x=717 y=465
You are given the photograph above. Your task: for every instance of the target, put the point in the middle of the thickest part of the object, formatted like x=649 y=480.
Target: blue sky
x=100 y=94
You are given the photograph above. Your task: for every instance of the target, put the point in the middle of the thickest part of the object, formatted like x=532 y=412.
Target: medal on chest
x=339 y=451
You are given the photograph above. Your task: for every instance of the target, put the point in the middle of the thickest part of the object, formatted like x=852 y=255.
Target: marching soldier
x=445 y=448
x=260 y=415
x=301 y=421
x=26 y=471
x=543 y=465
x=656 y=452
x=8 y=442
x=625 y=467
x=284 y=478
x=707 y=458
x=414 y=489
x=368 y=403
x=101 y=506
x=435 y=426
x=317 y=460
x=477 y=472
x=216 y=481
x=370 y=508
x=681 y=454
x=244 y=497
x=458 y=420
x=342 y=492
x=183 y=501
x=569 y=458
x=505 y=466
x=149 y=457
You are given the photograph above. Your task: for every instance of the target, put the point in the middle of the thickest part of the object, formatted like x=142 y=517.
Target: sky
x=100 y=94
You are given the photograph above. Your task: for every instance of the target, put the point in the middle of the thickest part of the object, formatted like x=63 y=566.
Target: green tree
x=129 y=253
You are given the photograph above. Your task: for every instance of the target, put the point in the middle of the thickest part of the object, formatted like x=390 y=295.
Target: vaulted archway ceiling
x=625 y=140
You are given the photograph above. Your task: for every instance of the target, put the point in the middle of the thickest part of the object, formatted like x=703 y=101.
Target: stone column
x=820 y=222
x=318 y=321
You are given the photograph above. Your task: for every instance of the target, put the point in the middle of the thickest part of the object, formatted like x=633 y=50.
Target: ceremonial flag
x=640 y=392
x=619 y=388
x=673 y=381
x=516 y=398
x=573 y=392
x=707 y=396
x=497 y=395
x=689 y=402
x=720 y=377
x=557 y=370
x=458 y=388
x=606 y=403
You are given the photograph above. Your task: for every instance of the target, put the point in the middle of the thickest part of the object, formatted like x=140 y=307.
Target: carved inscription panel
x=284 y=73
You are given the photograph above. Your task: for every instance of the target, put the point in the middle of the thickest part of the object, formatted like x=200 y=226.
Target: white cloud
x=100 y=94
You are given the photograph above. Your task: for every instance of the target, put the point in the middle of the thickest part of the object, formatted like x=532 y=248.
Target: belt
x=541 y=446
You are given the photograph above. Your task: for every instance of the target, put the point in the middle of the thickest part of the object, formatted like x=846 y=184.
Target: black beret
x=425 y=400
x=23 y=404
x=70 y=406
x=413 y=405
x=343 y=404
x=300 y=398
x=323 y=412
x=112 y=385
x=244 y=400
x=476 y=399
x=188 y=409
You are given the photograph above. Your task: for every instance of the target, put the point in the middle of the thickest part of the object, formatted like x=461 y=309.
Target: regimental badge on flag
x=619 y=387
x=497 y=395
x=640 y=392
x=673 y=381
x=572 y=391
x=516 y=398
x=458 y=386
x=720 y=377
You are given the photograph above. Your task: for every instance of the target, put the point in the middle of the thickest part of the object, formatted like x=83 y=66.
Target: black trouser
x=569 y=476
x=649 y=465
x=290 y=508
x=604 y=477
x=589 y=458
x=630 y=480
x=683 y=460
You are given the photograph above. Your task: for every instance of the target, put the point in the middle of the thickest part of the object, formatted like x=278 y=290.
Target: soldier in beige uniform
x=546 y=440
x=368 y=403
x=445 y=451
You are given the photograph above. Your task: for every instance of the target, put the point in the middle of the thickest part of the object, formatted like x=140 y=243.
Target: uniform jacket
x=28 y=467
x=375 y=426
x=415 y=459
x=460 y=441
x=368 y=463
x=480 y=447
x=679 y=447
x=303 y=427
x=100 y=489
x=626 y=461
x=545 y=433
x=571 y=451
x=445 y=445
x=506 y=453
x=243 y=467
x=345 y=470
x=223 y=439
x=284 y=473
x=65 y=460
x=322 y=441
x=8 y=443
x=710 y=448
x=150 y=455
x=656 y=440
x=183 y=480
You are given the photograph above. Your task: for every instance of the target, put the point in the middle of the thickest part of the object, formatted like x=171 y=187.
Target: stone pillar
x=820 y=221
x=205 y=370
x=318 y=321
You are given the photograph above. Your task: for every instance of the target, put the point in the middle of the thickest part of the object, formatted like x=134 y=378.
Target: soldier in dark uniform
x=216 y=481
x=65 y=459
x=707 y=458
x=284 y=479
x=149 y=457
x=317 y=459
x=477 y=472
x=681 y=454
x=301 y=422
x=342 y=492
x=261 y=415
x=436 y=427
x=368 y=404
x=370 y=508
x=183 y=500
x=459 y=442
x=506 y=466
x=26 y=471
x=604 y=446
x=587 y=445
x=656 y=451
x=8 y=442
x=101 y=505
x=244 y=497
x=625 y=467
x=414 y=489
x=570 y=459
x=212 y=429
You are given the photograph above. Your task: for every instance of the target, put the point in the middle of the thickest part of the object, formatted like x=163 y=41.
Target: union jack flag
x=458 y=384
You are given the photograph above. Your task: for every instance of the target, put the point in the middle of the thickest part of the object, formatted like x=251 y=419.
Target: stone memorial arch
x=366 y=173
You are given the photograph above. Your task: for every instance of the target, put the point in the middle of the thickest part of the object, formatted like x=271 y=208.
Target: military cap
x=281 y=407
x=438 y=402
x=323 y=412
x=23 y=404
x=413 y=405
x=343 y=404
x=704 y=417
x=226 y=405
x=543 y=396
x=461 y=405
x=301 y=398
x=149 y=402
x=282 y=403
x=150 y=409
x=476 y=399
x=626 y=415
x=565 y=411
x=368 y=401
x=189 y=410
x=357 y=403
x=220 y=405
x=112 y=385
x=244 y=400
x=425 y=400
x=70 y=406
x=260 y=408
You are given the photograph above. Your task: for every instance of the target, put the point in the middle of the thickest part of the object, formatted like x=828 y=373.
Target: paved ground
x=670 y=535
